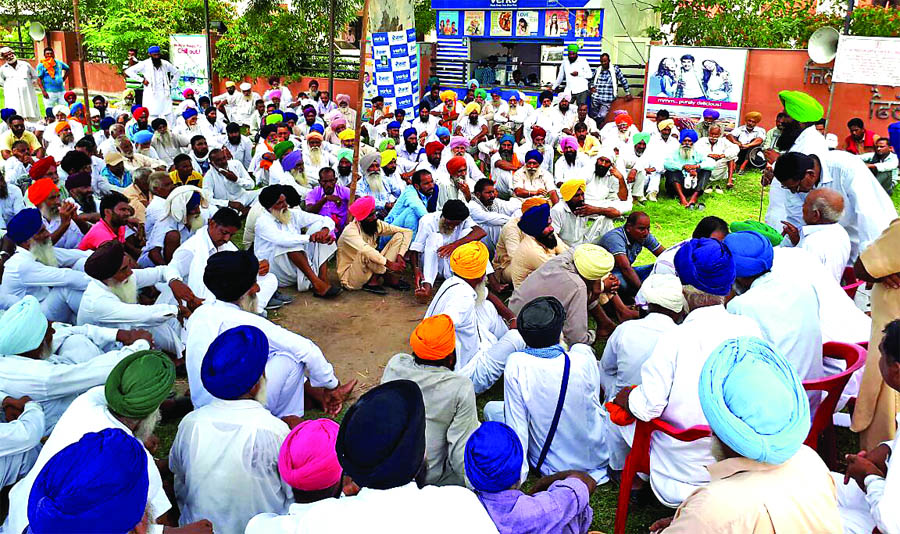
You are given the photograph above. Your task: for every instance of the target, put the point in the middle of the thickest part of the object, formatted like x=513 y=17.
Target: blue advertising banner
x=475 y=5
x=524 y=24
x=396 y=57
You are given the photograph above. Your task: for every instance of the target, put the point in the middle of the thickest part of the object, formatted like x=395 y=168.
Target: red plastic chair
x=823 y=421
x=638 y=460
x=851 y=283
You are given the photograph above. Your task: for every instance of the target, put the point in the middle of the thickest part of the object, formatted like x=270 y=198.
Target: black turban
x=106 y=261
x=78 y=179
x=381 y=443
x=291 y=196
x=270 y=195
x=230 y=274
x=540 y=322
x=455 y=210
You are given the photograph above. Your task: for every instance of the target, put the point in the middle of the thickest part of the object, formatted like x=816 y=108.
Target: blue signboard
x=521 y=24
x=475 y=5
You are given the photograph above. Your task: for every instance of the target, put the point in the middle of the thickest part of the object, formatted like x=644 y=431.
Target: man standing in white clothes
x=158 y=75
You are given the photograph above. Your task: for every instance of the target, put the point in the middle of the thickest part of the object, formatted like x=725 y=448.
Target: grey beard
x=283 y=216
x=125 y=291
x=44 y=253
x=374 y=181
x=687 y=152
x=248 y=303
x=481 y=292
x=444 y=227
x=315 y=156
x=147 y=425
x=262 y=395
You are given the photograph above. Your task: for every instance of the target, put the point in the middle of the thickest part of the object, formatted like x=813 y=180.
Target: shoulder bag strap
x=559 y=406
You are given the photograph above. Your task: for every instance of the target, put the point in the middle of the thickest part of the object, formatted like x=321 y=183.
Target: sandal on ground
x=378 y=290
x=332 y=292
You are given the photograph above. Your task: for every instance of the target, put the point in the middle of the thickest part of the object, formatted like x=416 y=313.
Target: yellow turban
x=448 y=95
x=470 y=261
x=434 y=338
x=347 y=134
x=753 y=116
x=571 y=188
x=473 y=107
x=662 y=125
x=388 y=156
x=533 y=202
x=593 y=262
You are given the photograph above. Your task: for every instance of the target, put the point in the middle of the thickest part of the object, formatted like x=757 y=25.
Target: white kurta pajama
x=225 y=462
x=429 y=239
x=58 y=289
x=291 y=357
x=20 y=443
x=273 y=240
x=88 y=413
x=829 y=243
x=668 y=390
x=221 y=190
x=491 y=219
x=158 y=93
x=18 y=89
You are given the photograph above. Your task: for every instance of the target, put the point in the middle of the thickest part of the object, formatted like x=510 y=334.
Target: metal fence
x=23 y=49
x=316 y=65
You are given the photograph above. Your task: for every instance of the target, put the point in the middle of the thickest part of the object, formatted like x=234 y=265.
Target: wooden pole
x=331 y=9
x=84 y=87
x=359 y=98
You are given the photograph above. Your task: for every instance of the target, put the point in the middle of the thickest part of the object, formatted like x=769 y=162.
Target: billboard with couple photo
x=687 y=80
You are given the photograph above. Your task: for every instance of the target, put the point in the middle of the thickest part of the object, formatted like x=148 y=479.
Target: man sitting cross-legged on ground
x=687 y=172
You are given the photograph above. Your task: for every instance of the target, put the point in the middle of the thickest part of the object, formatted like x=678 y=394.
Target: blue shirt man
x=625 y=243
x=52 y=73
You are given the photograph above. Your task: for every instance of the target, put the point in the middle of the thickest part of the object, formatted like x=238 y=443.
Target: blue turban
x=497 y=91
x=6 y=113
x=291 y=116
x=752 y=253
x=77 y=106
x=493 y=457
x=534 y=221
x=234 y=362
x=188 y=113
x=687 y=134
x=134 y=108
x=754 y=400
x=710 y=114
x=534 y=154
x=393 y=124
x=97 y=484
x=153 y=50
x=194 y=201
x=507 y=137
x=410 y=131
x=705 y=264
x=316 y=127
x=22 y=327
x=143 y=136
x=441 y=131
x=107 y=122
x=24 y=225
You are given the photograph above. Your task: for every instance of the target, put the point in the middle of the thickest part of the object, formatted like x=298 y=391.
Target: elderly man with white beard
x=459 y=147
x=39 y=270
x=723 y=152
x=135 y=160
x=36 y=364
x=483 y=340
x=227 y=183
x=297 y=244
x=314 y=157
x=111 y=299
x=182 y=217
x=231 y=277
x=60 y=218
x=373 y=184
x=64 y=142
x=164 y=142
x=687 y=172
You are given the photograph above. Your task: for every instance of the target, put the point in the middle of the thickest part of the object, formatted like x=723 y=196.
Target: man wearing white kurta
x=20 y=440
x=489 y=212
x=158 y=76
x=225 y=454
x=231 y=278
x=436 y=238
x=18 y=79
x=669 y=377
x=822 y=235
x=227 y=182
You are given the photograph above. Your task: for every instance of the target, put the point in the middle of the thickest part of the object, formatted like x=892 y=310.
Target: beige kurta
x=358 y=257
x=877 y=404
x=529 y=256
x=510 y=236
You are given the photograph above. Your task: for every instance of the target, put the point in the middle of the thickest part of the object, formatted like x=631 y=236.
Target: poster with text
x=188 y=54
x=501 y=23
x=526 y=23
x=448 y=23
x=588 y=24
x=474 y=23
x=687 y=80
x=556 y=23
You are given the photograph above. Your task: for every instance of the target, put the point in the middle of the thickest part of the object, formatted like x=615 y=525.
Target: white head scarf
x=663 y=290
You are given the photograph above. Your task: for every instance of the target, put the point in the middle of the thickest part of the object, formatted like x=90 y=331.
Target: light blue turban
x=754 y=401
x=493 y=457
x=22 y=327
x=752 y=253
x=143 y=136
x=441 y=131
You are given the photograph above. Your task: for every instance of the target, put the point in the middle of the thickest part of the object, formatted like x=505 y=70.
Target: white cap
x=245 y=86
x=831 y=141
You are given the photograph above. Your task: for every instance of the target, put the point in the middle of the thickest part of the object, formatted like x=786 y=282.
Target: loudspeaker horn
x=36 y=31
x=823 y=45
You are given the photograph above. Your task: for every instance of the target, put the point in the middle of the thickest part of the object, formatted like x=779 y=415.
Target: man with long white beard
x=483 y=340
x=687 y=172
x=723 y=152
x=60 y=218
x=503 y=164
x=187 y=128
x=459 y=147
x=50 y=368
x=183 y=216
x=361 y=265
x=490 y=212
x=158 y=75
x=373 y=184
x=227 y=183
x=314 y=157
x=111 y=299
x=164 y=142
x=133 y=159
x=297 y=244
x=231 y=277
x=646 y=168
x=534 y=181
x=39 y=270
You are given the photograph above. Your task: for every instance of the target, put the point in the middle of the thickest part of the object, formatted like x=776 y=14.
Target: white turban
x=565 y=95
x=60 y=109
x=663 y=290
x=22 y=327
x=177 y=201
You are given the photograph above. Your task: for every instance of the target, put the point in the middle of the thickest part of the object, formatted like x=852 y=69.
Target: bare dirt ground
x=358 y=331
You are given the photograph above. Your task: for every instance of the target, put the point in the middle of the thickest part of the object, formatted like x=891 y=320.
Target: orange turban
x=533 y=202
x=60 y=125
x=624 y=118
x=434 y=338
x=470 y=261
x=40 y=190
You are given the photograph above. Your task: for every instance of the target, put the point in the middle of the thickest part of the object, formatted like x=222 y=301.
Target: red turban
x=40 y=168
x=624 y=118
x=141 y=113
x=434 y=148
x=455 y=164
x=538 y=131
x=41 y=189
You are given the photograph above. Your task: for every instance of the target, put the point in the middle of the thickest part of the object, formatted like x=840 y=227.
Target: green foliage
x=875 y=21
x=739 y=23
x=425 y=18
x=269 y=40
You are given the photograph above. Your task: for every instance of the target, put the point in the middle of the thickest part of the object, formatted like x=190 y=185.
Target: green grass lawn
x=671 y=223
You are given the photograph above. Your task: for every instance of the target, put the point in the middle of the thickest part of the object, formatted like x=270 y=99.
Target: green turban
x=281 y=148
x=480 y=92
x=345 y=153
x=572 y=48
x=386 y=144
x=801 y=107
x=139 y=383
x=767 y=231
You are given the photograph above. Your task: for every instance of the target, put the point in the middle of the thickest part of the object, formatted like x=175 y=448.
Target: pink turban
x=568 y=141
x=341 y=121
x=342 y=98
x=275 y=94
x=307 y=460
x=458 y=140
x=362 y=207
